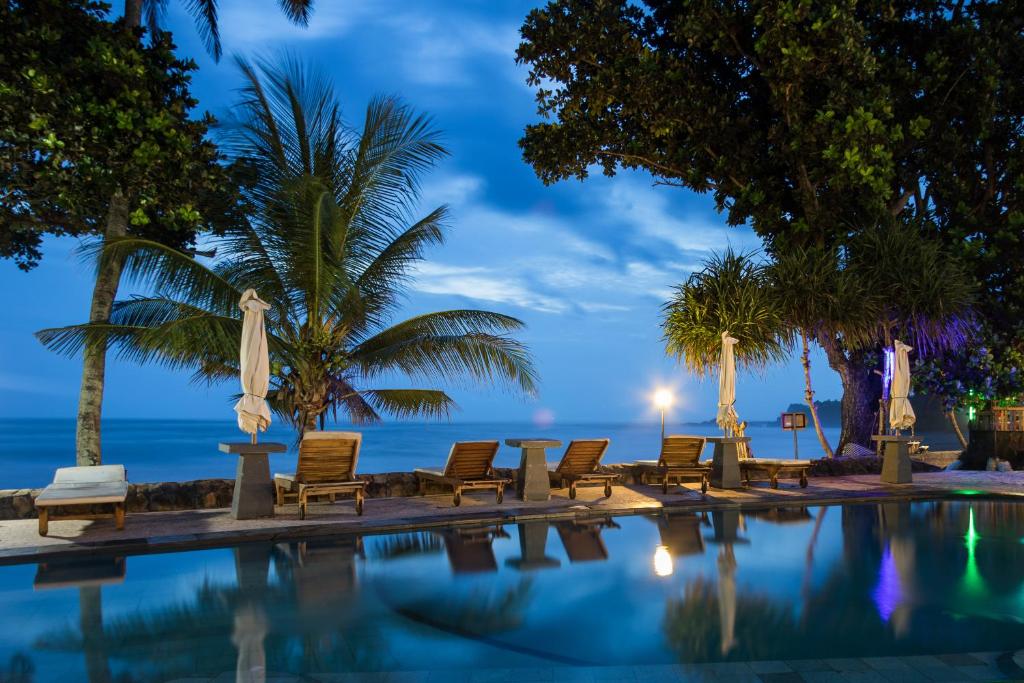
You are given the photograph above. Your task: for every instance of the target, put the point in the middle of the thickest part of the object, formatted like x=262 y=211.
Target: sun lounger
x=680 y=459
x=470 y=466
x=78 y=486
x=681 y=533
x=80 y=572
x=579 y=466
x=327 y=467
x=773 y=468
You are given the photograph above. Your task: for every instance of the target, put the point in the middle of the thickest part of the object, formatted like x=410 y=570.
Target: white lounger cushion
x=83 y=494
x=90 y=475
x=85 y=485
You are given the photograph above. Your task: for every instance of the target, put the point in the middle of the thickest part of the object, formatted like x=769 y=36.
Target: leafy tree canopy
x=86 y=112
x=808 y=120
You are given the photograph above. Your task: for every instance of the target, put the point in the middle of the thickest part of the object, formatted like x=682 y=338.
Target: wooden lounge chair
x=327 y=467
x=470 y=466
x=84 y=486
x=773 y=467
x=579 y=466
x=680 y=458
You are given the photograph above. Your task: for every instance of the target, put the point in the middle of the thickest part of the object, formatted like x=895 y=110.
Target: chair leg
x=303 y=500
x=44 y=521
x=500 y=496
x=278 y=495
x=119 y=516
x=572 y=490
x=457 y=496
x=359 y=503
x=664 y=484
x=607 y=489
x=332 y=497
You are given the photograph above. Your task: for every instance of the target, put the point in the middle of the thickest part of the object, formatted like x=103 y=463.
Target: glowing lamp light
x=663 y=399
x=663 y=561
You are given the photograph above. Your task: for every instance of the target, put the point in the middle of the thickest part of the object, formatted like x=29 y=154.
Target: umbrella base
x=895 y=459
x=725 y=463
x=254 y=492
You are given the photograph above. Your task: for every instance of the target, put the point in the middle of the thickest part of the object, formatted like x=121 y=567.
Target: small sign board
x=793 y=421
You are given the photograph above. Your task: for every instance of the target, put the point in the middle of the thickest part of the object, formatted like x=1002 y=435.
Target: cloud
x=646 y=209
x=480 y=284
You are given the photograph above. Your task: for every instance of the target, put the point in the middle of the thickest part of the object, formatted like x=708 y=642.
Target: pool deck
x=183 y=530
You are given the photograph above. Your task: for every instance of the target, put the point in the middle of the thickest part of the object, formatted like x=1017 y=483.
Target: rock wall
x=216 y=493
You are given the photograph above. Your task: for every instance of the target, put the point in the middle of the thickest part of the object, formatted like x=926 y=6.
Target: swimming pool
x=783 y=584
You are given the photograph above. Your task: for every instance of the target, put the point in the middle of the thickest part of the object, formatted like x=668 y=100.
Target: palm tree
x=108 y=274
x=732 y=292
x=329 y=244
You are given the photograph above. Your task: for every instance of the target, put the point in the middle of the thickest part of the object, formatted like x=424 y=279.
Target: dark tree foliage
x=811 y=121
x=87 y=112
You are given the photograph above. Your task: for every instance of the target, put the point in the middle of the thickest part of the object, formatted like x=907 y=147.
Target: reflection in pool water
x=783 y=583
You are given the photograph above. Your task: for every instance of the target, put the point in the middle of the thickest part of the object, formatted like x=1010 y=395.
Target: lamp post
x=663 y=400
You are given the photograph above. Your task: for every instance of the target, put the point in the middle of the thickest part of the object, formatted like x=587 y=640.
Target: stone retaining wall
x=204 y=494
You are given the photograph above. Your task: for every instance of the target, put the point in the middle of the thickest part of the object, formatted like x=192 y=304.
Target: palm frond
x=731 y=293
x=450 y=345
x=297 y=11
x=204 y=12
x=172 y=273
x=411 y=403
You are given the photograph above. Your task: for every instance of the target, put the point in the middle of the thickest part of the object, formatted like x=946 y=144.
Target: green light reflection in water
x=973 y=583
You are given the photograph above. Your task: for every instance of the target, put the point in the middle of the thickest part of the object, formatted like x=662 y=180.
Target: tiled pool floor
x=975 y=666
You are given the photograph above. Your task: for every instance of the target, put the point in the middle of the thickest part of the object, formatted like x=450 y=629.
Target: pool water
x=938 y=577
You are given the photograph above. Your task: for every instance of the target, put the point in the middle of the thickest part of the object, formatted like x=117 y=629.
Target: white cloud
x=257 y=23
x=646 y=209
x=478 y=283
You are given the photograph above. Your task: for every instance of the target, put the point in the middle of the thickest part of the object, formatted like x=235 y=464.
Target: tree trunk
x=951 y=415
x=94 y=357
x=861 y=391
x=805 y=359
x=132 y=13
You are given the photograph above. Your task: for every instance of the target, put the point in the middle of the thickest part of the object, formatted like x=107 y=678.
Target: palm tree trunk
x=805 y=359
x=94 y=357
x=951 y=416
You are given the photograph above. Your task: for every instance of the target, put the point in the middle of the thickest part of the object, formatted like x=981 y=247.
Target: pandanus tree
x=329 y=242
x=886 y=283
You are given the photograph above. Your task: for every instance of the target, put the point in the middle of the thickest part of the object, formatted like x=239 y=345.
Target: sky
x=586 y=265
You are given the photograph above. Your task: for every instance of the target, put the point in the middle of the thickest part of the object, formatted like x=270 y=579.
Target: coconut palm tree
x=331 y=237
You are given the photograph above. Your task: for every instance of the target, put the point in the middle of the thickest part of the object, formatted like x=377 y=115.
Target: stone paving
x=974 y=666
x=168 y=531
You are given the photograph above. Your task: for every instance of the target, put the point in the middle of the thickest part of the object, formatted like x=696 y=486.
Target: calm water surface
x=797 y=583
x=179 y=450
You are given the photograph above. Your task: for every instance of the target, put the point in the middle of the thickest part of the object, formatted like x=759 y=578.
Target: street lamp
x=663 y=399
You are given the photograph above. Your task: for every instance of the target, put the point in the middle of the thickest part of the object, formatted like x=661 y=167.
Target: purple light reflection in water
x=888 y=593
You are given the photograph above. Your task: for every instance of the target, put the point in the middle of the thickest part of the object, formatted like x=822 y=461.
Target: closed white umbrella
x=254 y=366
x=901 y=413
x=726 y=417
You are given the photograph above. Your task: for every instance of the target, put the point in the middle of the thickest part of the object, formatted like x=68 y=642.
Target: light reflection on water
x=781 y=583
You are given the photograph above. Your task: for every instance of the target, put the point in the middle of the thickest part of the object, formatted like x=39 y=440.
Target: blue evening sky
x=587 y=265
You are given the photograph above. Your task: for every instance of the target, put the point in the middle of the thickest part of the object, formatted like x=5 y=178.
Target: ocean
x=180 y=450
